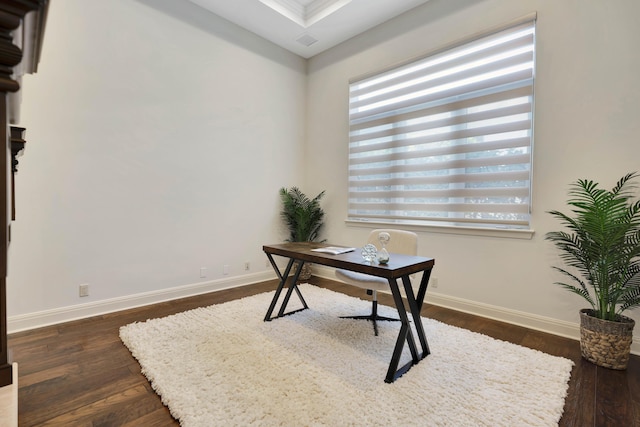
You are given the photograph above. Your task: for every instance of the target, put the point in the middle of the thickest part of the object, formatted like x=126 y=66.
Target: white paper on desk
x=334 y=250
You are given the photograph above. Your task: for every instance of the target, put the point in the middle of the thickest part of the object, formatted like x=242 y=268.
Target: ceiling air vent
x=306 y=40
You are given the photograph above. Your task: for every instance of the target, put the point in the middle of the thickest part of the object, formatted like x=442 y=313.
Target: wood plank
x=579 y=405
x=65 y=397
x=614 y=398
x=157 y=418
x=133 y=403
x=633 y=380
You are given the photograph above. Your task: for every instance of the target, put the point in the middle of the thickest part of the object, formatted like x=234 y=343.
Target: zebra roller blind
x=448 y=138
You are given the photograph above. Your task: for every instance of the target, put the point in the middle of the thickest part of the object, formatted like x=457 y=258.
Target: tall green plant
x=602 y=247
x=303 y=216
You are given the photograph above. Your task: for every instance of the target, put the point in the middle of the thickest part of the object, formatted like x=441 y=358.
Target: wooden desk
x=399 y=267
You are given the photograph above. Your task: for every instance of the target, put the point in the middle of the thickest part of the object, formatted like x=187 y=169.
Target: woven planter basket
x=605 y=343
x=305 y=274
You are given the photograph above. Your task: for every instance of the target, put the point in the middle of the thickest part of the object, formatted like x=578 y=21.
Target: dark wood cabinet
x=22 y=25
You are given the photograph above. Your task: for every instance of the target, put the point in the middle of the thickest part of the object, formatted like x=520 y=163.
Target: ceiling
x=307 y=27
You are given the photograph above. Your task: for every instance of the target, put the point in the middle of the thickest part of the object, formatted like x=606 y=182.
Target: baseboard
x=80 y=311
x=514 y=317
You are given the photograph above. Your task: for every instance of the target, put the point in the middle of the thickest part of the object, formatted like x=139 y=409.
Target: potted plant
x=304 y=218
x=601 y=250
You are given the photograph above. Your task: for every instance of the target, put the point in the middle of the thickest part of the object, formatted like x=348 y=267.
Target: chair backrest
x=402 y=242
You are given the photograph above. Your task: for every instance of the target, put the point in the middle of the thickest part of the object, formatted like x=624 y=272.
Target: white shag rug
x=224 y=366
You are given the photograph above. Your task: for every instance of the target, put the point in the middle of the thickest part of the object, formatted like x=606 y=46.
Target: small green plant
x=602 y=246
x=303 y=216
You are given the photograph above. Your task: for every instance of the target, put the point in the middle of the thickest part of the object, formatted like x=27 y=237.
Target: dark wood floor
x=80 y=374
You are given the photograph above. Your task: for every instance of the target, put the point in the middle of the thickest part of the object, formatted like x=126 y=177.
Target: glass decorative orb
x=369 y=252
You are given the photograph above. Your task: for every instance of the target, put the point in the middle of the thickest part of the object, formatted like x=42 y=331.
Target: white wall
x=158 y=137
x=586 y=126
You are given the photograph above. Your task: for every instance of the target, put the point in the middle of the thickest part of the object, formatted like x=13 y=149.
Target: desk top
x=399 y=265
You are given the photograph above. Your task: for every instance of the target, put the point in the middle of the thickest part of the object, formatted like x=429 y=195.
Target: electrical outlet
x=225 y=269
x=247 y=266
x=83 y=290
x=434 y=282
x=203 y=272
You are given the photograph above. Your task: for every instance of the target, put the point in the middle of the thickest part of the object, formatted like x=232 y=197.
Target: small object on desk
x=383 y=254
x=369 y=252
x=335 y=250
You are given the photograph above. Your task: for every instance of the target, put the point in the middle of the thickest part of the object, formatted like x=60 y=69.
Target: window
x=447 y=139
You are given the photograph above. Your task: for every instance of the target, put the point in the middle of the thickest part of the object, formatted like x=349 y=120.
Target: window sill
x=449 y=229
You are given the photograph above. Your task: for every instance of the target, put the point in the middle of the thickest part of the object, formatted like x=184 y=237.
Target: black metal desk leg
x=290 y=291
x=422 y=290
x=283 y=280
x=281 y=285
x=415 y=307
x=405 y=335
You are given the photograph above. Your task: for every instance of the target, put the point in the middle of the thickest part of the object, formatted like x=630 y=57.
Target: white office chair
x=402 y=242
